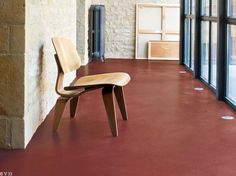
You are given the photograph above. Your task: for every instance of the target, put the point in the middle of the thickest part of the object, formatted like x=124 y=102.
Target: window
x=231 y=52
x=192 y=44
x=205 y=51
x=189 y=34
x=232 y=8
x=205 y=8
x=208 y=49
x=213 y=65
x=214 y=7
x=187 y=42
x=214 y=62
x=187 y=7
x=231 y=63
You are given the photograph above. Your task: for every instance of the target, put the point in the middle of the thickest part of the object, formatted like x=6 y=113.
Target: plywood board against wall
x=163 y=50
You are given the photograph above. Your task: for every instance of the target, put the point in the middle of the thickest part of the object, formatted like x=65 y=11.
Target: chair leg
x=121 y=101
x=59 y=109
x=108 y=99
x=73 y=106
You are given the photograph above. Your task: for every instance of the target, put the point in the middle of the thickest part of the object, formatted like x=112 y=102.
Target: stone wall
x=12 y=47
x=44 y=20
x=120 y=25
x=82 y=29
x=27 y=66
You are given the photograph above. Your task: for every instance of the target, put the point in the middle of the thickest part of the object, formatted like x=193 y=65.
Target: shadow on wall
x=41 y=79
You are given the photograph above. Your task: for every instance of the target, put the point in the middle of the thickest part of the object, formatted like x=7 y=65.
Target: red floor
x=172 y=131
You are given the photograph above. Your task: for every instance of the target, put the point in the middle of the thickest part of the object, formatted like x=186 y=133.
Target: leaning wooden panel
x=163 y=50
x=153 y=20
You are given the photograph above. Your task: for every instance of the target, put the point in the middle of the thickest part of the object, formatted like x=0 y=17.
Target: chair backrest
x=67 y=54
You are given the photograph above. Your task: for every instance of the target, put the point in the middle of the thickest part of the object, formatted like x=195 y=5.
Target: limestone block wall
x=12 y=47
x=27 y=66
x=44 y=20
x=82 y=29
x=120 y=26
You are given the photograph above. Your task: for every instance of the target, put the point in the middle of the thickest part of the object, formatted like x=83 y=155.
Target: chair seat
x=116 y=78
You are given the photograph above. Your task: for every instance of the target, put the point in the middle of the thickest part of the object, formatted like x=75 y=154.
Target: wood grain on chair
x=68 y=60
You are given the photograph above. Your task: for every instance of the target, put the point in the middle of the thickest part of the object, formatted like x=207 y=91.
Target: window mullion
x=210 y=8
x=197 y=54
x=221 y=51
x=182 y=32
x=210 y=53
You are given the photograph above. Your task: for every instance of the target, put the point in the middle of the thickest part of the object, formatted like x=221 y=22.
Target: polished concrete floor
x=173 y=130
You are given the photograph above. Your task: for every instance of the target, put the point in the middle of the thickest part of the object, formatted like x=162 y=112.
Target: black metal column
x=197 y=45
x=221 y=50
x=181 y=48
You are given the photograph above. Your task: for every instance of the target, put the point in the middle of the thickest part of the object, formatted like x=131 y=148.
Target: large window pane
x=213 y=53
x=187 y=42
x=214 y=7
x=205 y=7
x=231 y=63
x=205 y=51
x=192 y=45
x=232 y=8
x=187 y=7
x=193 y=7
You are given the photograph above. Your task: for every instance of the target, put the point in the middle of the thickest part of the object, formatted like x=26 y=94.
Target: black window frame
x=228 y=21
x=191 y=16
x=222 y=19
x=211 y=19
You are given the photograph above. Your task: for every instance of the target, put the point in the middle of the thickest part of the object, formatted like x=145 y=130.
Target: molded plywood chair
x=111 y=84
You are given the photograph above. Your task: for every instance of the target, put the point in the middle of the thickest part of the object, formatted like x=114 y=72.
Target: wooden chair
x=68 y=60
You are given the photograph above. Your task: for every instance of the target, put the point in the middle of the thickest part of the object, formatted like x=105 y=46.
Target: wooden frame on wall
x=161 y=34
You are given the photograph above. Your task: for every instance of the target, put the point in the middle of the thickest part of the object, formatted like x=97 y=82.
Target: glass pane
x=205 y=50
x=231 y=63
x=205 y=7
x=172 y=16
x=232 y=8
x=154 y=16
x=214 y=8
x=192 y=44
x=193 y=7
x=187 y=7
x=213 y=53
x=187 y=42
